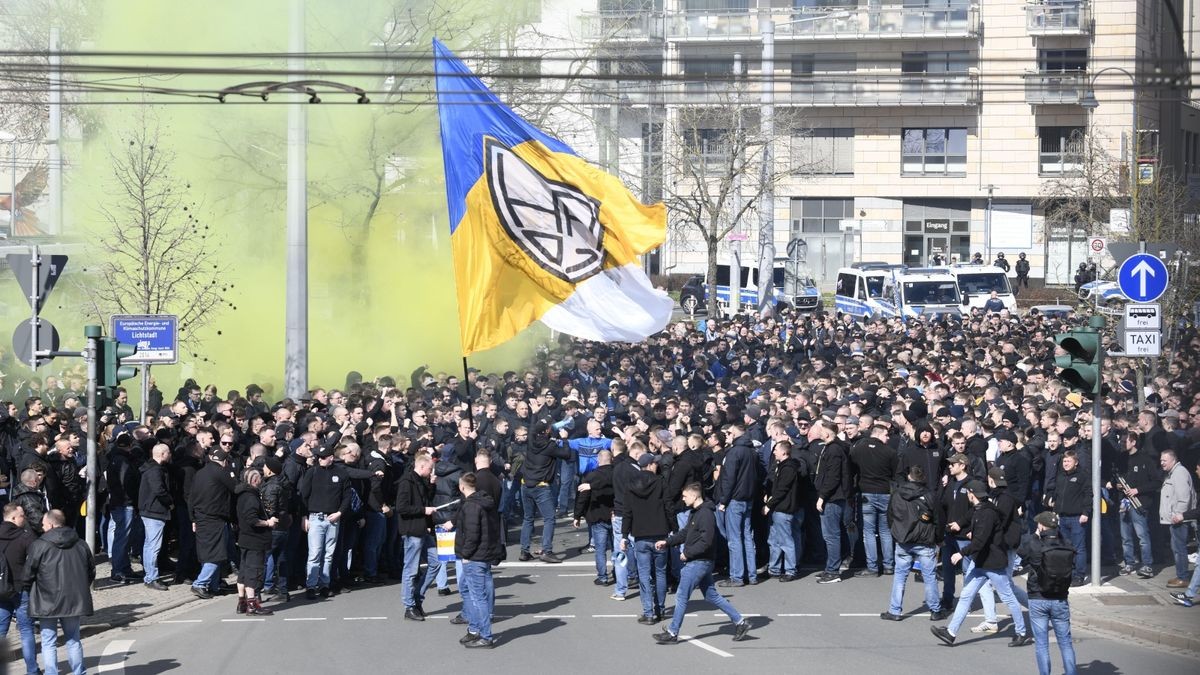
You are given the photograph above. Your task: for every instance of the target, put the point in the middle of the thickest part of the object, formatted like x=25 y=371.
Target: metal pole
x=12 y=193
x=35 y=291
x=987 y=228
x=1096 y=473
x=735 y=200
x=296 y=328
x=54 y=135
x=92 y=333
x=766 y=206
x=145 y=402
x=1134 y=151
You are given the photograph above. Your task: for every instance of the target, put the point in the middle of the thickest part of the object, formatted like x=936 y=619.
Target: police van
x=870 y=290
x=790 y=288
x=976 y=283
x=928 y=292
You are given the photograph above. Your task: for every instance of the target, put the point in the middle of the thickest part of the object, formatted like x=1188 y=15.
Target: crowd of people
x=747 y=448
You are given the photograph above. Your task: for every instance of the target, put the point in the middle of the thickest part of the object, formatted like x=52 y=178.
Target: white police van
x=789 y=289
x=976 y=283
x=870 y=290
x=928 y=292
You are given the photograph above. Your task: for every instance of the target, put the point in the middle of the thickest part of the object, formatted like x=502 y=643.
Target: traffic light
x=109 y=370
x=1078 y=358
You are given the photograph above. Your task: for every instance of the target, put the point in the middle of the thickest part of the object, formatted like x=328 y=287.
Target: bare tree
x=1089 y=182
x=156 y=252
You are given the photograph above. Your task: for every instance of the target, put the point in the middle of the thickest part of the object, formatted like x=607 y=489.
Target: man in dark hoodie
x=594 y=503
x=785 y=508
x=738 y=489
x=648 y=519
x=154 y=507
x=477 y=544
x=913 y=519
x=254 y=540
x=14 y=546
x=1048 y=606
x=537 y=475
x=696 y=540
x=833 y=490
x=60 y=571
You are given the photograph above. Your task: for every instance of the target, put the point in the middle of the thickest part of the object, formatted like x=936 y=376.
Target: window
x=716 y=5
x=824 y=151
x=1060 y=150
x=821 y=215
x=628 y=5
x=846 y=284
x=824 y=77
x=1062 y=60
x=710 y=146
x=935 y=63
x=934 y=151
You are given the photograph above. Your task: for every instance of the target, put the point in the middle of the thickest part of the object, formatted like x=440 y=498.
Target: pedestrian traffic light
x=109 y=369
x=1078 y=358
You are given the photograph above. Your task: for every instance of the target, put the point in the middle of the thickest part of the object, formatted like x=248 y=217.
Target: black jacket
x=785 y=494
x=488 y=483
x=61 y=570
x=250 y=511
x=624 y=471
x=1142 y=471
x=154 y=495
x=277 y=497
x=912 y=515
x=595 y=505
x=477 y=530
x=1031 y=555
x=540 y=465
x=699 y=535
x=931 y=458
x=647 y=511
x=211 y=495
x=325 y=490
x=688 y=467
x=122 y=479
x=873 y=466
x=14 y=542
x=33 y=502
x=739 y=472
x=987 y=538
x=1018 y=473
x=955 y=507
x=413 y=494
x=833 y=475
x=1073 y=493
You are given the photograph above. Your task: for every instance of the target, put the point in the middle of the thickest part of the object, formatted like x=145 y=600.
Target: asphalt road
x=551 y=617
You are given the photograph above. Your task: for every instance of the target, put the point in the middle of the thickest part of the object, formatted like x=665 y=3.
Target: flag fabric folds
x=537 y=232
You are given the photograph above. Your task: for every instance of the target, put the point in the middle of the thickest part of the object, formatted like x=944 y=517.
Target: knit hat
x=274 y=465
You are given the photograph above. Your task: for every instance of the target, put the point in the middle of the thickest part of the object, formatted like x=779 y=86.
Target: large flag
x=537 y=232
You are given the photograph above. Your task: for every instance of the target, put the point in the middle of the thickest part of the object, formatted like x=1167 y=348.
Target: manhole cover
x=1127 y=599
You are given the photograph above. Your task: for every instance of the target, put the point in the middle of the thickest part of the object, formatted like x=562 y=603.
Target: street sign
x=48 y=273
x=155 y=335
x=737 y=236
x=1143 y=317
x=1142 y=278
x=1143 y=343
x=23 y=340
x=1097 y=245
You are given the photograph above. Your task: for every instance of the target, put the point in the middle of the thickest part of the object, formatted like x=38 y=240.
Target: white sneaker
x=1193 y=558
x=986 y=627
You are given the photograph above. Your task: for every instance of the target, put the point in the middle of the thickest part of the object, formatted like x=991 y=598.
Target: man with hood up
x=60 y=571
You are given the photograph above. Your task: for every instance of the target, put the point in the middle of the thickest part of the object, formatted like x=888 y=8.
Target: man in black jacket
x=648 y=519
x=991 y=564
x=14 y=546
x=1047 y=607
x=477 y=544
x=1138 y=466
x=60 y=570
x=872 y=468
x=122 y=478
x=833 y=490
x=1018 y=469
x=625 y=469
x=739 y=486
x=211 y=502
x=594 y=503
x=414 y=522
x=786 y=511
x=154 y=507
x=254 y=539
x=278 y=497
x=325 y=494
x=1073 y=502
x=696 y=540
x=538 y=471
x=912 y=517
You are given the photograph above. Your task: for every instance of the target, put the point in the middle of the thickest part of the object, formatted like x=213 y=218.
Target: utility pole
x=92 y=333
x=766 y=205
x=735 y=200
x=987 y=227
x=54 y=135
x=296 y=322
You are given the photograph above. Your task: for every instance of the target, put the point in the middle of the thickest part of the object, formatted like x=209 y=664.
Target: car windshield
x=874 y=287
x=983 y=284
x=930 y=293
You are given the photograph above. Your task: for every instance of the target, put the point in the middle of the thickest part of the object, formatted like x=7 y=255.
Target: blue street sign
x=1142 y=277
x=155 y=335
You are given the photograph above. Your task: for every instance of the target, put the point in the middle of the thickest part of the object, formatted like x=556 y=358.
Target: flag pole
x=467 y=393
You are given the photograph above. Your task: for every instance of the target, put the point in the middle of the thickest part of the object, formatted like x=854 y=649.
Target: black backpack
x=8 y=585
x=1057 y=566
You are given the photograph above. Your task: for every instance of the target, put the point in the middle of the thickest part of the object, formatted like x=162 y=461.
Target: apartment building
x=938 y=124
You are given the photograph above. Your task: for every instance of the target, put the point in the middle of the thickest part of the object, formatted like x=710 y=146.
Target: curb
x=1153 y=635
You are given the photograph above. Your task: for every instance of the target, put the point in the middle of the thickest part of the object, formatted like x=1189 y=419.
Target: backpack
x=1056 y=568
x=8 y=586
x=911 y=521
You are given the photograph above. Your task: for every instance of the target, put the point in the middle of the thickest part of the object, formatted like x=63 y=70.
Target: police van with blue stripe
x=790 y=288
x=873 y=290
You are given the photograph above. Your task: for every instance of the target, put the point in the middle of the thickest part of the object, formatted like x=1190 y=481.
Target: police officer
x=1022 y=272
x=1001 y=262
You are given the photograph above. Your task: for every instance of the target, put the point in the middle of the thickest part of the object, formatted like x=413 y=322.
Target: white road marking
x=858 y=614
x=799 y=615
x=244 y=620
x=364 y=618
x=705 y=647
x=182 y=621
x=304 y=618
x=538 y=563
x=554 y=616
x=585 y=574
x=614 y=616
x=723 y=614
x=113 y=658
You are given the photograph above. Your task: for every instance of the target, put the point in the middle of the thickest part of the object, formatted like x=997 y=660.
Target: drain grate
x=1128 y=600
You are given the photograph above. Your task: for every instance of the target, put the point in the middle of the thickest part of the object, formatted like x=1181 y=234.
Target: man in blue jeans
x=154 y=506
x=913 y=519
x=541 y=463
x=1177 y=497
x=477 y=544
x=1048 y=606
x=739 y=486
x=647 y=520
x=14 y=546
x=414 y=523
x=594 y=503
x=785 y=508
x=872 y=466
x=60 y=571
x=832 y=483
x=696 y=539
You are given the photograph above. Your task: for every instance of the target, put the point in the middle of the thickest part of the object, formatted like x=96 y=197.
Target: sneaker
x=865 y=573
x=588 y=549
x=525 y=556
x=1080 y=580
x=1020 y=640
x=939 y=615
x=1145 y=572
x=942 y=633
x=788 y=577
x=888 y=571
x=827 y=578
x=1177 y=583
x=411 y=614
x=986 y=627
x=458 y=620
x=888 y=616
x=469 y=637
x=549 y=558
x=666 y=638
x=201 y=592
x=617 y=596
x=310 y=593
x=731 y=583
x=480 y=643
x=1019 y=570
x=443 y=592
x=648 y=619
x=157 y=585
x=740 y=630
x=845 y=566
x=1181 y=598
x=1126 y=569
x=323 y=591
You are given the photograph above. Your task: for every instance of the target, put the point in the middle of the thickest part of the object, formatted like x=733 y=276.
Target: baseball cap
x=957 y=458
x=647 y=459
x=1046 y=519
x=997 y=475
x=977 y=488
x=218 y=454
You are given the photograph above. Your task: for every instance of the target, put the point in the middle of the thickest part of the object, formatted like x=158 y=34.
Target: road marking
x=303 y=618
x=723 y=614
x=246 y=620
x=554 y=616
x=113 y=658
x=182 y=621
x=585 y=574
x=876 y=614
x=705 y=647
x=364 y=618
x=799 y=615
x=538 y=563
x=614 y=616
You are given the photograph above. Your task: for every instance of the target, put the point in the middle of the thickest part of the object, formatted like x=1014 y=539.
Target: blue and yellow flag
x=537 y=232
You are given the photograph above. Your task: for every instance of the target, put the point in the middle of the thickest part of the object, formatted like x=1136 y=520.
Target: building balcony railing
x=623 y=26
x=828 y=23
x=1059 y=19
x=631 y=93
x=1055 y=88
x=886 y=91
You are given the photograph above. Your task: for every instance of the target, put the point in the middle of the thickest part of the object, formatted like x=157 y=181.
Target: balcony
x=1059 y=19
x=1055 y=88
x=623 y=26
x=888 y=22
x=631 y=93
x=885 y=91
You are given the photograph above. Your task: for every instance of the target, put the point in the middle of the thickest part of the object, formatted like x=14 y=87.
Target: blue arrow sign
x=1142 y=277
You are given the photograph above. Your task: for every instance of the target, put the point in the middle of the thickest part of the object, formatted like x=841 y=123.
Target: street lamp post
x=11 y=139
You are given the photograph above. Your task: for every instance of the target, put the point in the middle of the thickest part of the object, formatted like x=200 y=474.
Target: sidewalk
x=1139 y=608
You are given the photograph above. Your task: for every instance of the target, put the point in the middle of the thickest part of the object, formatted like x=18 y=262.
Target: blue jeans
x=537 y=501
x=831 y=532
x=322 y=542
x=1134 y=523
x=1044 y=613
x=1073 y=532
x=277 y=561
x=412 y=592
x=906 y=555
x=119 y=526
x=19 y=610
x=208 y=577
x=70 y=628
x=478 y=597
x=698 y=574
x=601 y=537
x=1194 y=586
x=874 y=510
x=741 y=541
x=151 y=546
x=1179 y=541
x=973 y=581
x=566 y=484
x=674 y=564
x=621 y=572
x=784 y=539
x=652 y=568
x=373 y=536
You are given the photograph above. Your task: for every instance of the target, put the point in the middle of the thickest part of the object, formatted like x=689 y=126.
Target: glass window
x=822 y=215
x=982 y=284
x=845 y=285
x=874 y=286
x=824 y=151
x=1060 y=150
x=1062 y=60
x=934 y=151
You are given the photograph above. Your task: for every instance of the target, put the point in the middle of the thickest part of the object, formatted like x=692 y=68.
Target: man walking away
x=697 y=539
x=594 y=503
x=154 y=507
x=1050 y=561
x=60 y=571
x=254 y=538
x=477 y=544
x=648 y=519
x=914 y=524
x=14 y=546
